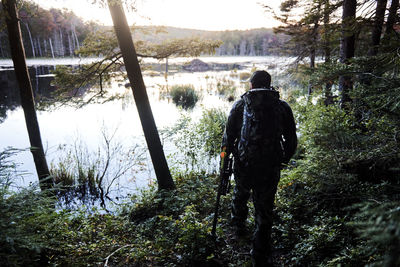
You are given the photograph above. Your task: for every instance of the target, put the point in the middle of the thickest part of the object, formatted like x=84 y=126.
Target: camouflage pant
x=263 y=182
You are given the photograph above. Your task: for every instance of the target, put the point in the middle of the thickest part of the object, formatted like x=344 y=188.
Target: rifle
x=224 y=185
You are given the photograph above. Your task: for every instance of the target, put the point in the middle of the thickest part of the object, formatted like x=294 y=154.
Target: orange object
x=223 y=154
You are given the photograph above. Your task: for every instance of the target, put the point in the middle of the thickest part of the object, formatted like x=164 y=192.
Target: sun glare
x=205 y=15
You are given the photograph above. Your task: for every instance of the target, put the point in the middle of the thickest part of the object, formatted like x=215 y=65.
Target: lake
x=68 y=129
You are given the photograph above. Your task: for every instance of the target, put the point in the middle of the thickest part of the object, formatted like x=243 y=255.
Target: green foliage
x=345 y=157
x=184 y=95
x=23 y=217
x=379 y=227
x=199 y=142
x=157 y=228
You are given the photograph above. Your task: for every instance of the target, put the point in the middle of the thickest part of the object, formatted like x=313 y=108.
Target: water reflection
x=67 y=125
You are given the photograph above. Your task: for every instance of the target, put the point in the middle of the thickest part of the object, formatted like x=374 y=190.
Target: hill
x=254 y=42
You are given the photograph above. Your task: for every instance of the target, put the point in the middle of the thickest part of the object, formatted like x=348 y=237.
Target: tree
x=25 y=86
x=128 y=52
x=311 y=34
x=377 y=27
x=347 y=47
x=326 y=38
x=391 y=19
x=304 y=31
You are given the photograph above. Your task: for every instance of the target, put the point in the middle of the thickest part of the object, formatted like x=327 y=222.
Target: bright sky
x=196 y=14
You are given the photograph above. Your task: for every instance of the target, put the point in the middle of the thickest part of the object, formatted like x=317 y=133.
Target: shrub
x=198 y=142
x=24 y=213
x=184 y=96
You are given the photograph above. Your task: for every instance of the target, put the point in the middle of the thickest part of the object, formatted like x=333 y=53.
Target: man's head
x=260 y=79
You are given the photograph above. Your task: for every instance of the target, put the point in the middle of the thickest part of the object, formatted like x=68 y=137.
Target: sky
x=195 y=14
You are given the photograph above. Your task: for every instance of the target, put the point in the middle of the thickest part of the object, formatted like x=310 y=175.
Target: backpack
x=261 y=133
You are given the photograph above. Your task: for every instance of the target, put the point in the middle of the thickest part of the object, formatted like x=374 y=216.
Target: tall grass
x=184 y=95
x=85 y=176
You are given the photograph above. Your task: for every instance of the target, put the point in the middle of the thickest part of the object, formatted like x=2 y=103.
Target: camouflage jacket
x=234 y=125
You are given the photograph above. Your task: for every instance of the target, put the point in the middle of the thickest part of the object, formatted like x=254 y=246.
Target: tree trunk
x=45 y=47
x=314 y=34
x=327 y=50
x=70 y=45
x=124 y=37
x=57 y=49
x=39 y=47
x=62 y=48
x=76 y=38
x=377 y=28
x=391 y=18
x=347 y=48
x=30 y=38
x=312 y=67
x=51 y=48
x=25 y=86
x=1 y=47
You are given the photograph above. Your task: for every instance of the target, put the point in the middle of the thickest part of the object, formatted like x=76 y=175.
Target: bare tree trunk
x=124 y=37
x=30 y=38
x=73 y=37
x=39 y=47
x=76 y=38
x=62 y=50
x=1 y=47
x=27 y=100
x=51 y=48
x=378 y=25
x=70 y=45
x=347 y=48
x=45 y=47
x=57 y=46
x=73 y=42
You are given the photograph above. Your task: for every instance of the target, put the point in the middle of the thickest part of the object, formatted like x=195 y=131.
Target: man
x=262 y=137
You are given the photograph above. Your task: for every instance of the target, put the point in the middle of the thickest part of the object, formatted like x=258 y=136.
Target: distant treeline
x=59 y=33
x=255 y=42
x=46 y=33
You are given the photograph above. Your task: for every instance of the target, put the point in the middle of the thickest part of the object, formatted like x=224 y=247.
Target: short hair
x=260 y=79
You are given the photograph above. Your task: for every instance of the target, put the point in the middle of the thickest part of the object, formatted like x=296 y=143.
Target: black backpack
x=261 y=133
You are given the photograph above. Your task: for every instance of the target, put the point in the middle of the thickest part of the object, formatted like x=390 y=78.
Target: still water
x=66 y=129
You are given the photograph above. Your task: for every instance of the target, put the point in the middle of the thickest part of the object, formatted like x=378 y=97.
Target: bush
x=343 y=159
x=184 y=96
x=23 y=217
x=198 y=142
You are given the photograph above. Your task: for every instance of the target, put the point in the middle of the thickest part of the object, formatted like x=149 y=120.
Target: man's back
x=235 y=131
